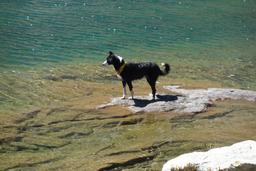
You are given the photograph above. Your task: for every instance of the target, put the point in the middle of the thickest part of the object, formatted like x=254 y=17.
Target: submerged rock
x=190 y=101
x=216 y=159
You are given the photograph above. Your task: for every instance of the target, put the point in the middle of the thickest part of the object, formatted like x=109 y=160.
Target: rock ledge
x=189 y=101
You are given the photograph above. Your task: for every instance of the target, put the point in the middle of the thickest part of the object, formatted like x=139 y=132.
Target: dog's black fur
x=133 y=71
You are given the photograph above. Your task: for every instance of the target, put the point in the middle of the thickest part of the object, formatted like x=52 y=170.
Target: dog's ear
x=110 y=53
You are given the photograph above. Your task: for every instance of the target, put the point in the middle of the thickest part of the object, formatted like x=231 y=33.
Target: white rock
x=218 y=158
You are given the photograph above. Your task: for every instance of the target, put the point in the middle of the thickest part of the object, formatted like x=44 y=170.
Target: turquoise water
x=211 y=40
x=38 y=32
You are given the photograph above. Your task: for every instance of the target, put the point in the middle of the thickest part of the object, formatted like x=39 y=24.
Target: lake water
x=202 y=40
x=51 y=80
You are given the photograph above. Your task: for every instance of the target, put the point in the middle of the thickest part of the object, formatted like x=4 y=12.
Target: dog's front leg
x=124 y=89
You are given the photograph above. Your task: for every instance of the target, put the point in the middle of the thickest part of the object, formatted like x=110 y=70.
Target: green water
x=202 y=40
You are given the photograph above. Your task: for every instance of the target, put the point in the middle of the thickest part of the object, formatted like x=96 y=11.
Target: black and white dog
x=132 y=71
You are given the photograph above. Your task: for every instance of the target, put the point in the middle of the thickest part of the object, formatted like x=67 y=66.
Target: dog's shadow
x=163 y=98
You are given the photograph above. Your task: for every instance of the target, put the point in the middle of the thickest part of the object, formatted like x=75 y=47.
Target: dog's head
x=113 y=59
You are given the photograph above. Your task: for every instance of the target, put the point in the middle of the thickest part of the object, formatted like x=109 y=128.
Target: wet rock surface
x=188 y=101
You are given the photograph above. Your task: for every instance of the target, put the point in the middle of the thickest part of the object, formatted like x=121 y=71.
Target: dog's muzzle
x=105 y=62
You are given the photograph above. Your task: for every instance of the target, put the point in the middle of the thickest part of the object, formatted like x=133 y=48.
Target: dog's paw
x=130 y=98
x=150 y=94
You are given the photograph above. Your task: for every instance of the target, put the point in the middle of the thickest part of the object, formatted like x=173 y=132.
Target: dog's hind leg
x=152 y=83
x=153 y=87
x=124 y=89
x=130 y=88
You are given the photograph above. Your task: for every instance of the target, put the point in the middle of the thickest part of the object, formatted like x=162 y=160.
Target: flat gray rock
x=188 y=101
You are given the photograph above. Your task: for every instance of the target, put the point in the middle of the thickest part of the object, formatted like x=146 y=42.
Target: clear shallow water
x=202 y=40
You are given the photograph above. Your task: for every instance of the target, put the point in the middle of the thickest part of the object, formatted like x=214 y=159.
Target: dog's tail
x=166 y=70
